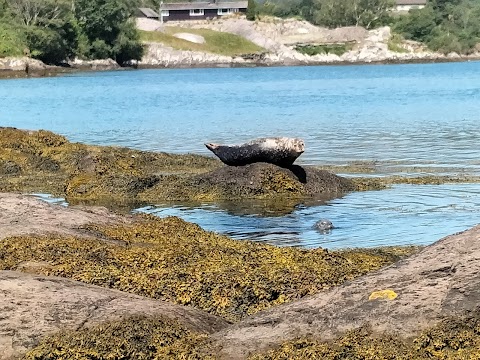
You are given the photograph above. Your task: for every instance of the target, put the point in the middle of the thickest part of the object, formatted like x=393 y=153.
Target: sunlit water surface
x=401 y=118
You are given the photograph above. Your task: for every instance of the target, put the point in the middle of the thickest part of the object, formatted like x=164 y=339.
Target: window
x=165 y=13
x=226 y=11
x=196 y=12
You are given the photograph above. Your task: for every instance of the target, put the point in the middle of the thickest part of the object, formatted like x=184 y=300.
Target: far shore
x=52 y=70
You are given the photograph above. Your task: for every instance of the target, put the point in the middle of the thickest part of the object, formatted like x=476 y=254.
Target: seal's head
x=323 y=225
x=293 y=144
x=212 y=147
x=298 y=145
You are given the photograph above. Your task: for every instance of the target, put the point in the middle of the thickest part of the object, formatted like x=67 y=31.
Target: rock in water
x=281 y=151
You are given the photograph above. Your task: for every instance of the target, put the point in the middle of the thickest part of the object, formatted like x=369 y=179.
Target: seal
x=281 y=151
x=323 y=225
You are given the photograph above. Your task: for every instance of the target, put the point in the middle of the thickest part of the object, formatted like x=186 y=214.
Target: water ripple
x=404 y=214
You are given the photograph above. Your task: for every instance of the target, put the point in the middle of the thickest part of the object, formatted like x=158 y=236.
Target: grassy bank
x=215 y=42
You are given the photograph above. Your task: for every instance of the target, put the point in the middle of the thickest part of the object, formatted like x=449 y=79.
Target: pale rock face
x=280 y=36
x=161 y=55
x=197 y=39
x=95 y=64
x=21 y=64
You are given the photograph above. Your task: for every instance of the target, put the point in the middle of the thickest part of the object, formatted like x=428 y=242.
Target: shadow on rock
x=254 y=181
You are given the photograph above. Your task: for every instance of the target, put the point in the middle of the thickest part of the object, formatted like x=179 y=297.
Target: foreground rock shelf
x=164 y=259
x=390 y=306
x=415 y=294
x=35 y=306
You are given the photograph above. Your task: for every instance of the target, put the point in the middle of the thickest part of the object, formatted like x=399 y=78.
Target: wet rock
x=253 y=181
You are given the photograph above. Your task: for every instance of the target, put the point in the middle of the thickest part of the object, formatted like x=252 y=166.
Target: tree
x=366 y=13
x=251 y=10
x=105 y=25
x=38 y=12
x=418 y=24
x=444 y=25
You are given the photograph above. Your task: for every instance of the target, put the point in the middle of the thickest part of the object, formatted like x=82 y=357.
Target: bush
x=46 y=45
x=251 y=10
x=100 y=50
x=311 y=50
x=12 y=41
x=128 y=46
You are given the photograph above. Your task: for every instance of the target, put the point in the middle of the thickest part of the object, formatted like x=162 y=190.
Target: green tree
x=12 y=40
x=127 y=45
x=366 y=13
x=418 y=25
x=444 y=25
x=251 y=10
x=104 y=24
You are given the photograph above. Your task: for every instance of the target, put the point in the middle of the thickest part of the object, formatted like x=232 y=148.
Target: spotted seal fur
x=281 y=151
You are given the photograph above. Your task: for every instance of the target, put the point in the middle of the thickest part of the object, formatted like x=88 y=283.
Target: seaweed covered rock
x=34 y=307
x=136 y=337
x=403 y=299
x=174 y=260
x=258 y=180
x=42 y=161
x=454 y=338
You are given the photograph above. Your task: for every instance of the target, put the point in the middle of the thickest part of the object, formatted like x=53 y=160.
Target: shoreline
x=53 y=71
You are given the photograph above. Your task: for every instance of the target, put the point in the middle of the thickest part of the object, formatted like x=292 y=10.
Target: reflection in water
x=256 y=207
x=404 y=214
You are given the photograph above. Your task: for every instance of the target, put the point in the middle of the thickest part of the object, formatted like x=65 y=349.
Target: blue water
x=404 y=214
x=402 y=118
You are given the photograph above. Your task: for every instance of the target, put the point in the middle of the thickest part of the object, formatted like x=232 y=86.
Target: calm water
x=396 y=116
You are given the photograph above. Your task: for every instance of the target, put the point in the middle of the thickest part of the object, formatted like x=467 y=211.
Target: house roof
x=411 y=2
x=205 y=5
x=149 y=13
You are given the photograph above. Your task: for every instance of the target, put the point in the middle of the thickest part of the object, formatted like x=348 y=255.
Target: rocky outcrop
x=22 y=66
x=34 y=307
x=27 y=214
x=159 y=55
x=100 y=64
x=279 y=38
x=402 y=299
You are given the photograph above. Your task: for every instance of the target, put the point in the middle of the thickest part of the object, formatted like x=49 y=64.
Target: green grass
x=215 y=42
x=395 y=44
